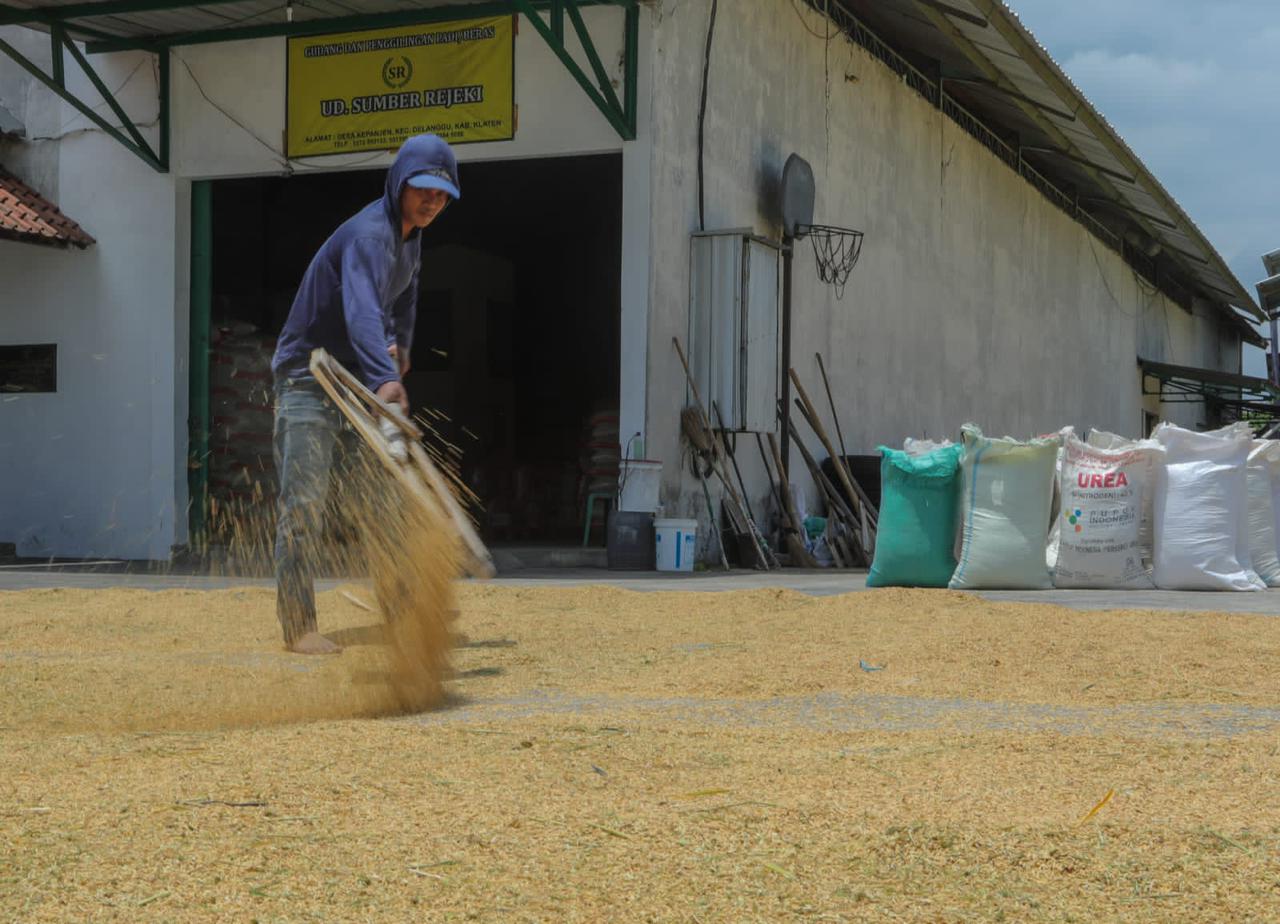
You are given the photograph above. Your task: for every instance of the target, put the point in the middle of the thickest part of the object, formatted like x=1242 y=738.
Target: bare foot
x=313 y=643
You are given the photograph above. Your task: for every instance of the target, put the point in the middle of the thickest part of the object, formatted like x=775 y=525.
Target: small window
x=27 y=368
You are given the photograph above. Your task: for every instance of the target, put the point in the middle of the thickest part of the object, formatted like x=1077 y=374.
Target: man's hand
x=394 y=393
x=401 y=360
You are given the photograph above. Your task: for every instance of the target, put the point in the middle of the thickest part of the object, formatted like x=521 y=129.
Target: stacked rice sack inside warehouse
x=1180 y=511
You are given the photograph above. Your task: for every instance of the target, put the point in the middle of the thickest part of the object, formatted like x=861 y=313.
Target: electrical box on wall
x=733 y=326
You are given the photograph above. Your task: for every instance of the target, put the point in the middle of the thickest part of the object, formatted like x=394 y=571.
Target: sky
x=1193 y=86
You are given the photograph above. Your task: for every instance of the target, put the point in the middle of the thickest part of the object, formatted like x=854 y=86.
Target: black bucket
x=629 y=542
x=865 y=470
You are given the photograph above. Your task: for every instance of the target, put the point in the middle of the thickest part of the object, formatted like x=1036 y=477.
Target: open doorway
x=515 y=361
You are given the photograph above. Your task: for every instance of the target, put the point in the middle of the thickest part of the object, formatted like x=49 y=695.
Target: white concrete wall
x=975 y=298
x=238 y=130
x=99 y=469
x=35 y=157
x=90 y=471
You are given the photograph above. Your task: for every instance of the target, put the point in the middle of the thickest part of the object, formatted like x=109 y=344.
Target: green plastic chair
x=607 y=498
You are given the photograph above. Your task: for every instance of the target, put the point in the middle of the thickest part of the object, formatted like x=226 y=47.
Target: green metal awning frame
x=73 y=22
x=1187 y=384
x=128 y=134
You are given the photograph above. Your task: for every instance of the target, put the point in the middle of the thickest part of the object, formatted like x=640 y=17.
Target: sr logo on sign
x=396 y=72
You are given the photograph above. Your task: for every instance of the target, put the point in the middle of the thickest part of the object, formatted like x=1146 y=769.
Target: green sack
x=919 y=507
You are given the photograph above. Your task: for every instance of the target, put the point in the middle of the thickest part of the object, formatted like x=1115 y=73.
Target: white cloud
x=1194 y=90
x=1192 y=87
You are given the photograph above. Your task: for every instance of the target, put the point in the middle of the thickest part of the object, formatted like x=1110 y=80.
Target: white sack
x=1100 y=521
x=1005 y=509
x=1263 y=470
x=918 y=447
x=1201 y=514
x=1101 y=439
x=1055 y=534
x=1242 y=431
x=1275 y=504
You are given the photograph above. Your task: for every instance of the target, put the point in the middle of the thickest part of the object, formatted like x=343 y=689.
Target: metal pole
x=633 y=66
x=198 y=396
x=784 y=413
x=1275 y=353
x=162 y=147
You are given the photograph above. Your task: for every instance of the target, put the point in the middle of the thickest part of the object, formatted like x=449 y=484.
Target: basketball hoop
x=836 y=251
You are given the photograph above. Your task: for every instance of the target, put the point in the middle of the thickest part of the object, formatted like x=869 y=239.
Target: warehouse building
x=621 y=163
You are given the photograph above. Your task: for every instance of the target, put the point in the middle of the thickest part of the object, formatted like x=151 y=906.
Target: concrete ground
x=816 y=583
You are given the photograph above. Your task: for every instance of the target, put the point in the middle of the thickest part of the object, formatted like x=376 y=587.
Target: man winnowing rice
x=357 y=300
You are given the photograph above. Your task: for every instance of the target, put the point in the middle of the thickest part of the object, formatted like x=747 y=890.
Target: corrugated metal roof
x=1083 y=155
x=1021 y=91
x=149 y=20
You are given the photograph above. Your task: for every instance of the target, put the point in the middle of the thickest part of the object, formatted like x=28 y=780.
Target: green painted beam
x=353 y=23
x=593 y=57
x=614 y=114
x=632 y=54
x=57 y=36
x=162 y=58
x=79 y=105
x=109 y=97
x=310 y=27
x=12 y=16
x=15 y=16
x=621 y=115
x=556 y=9
x=198 y=420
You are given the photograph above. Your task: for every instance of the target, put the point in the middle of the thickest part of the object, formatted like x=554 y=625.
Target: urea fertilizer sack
x=1100 y=520
x=1201 y=514
x=1006 y=495
x=1101 y=439
x=1263 y=469
x=919 y=502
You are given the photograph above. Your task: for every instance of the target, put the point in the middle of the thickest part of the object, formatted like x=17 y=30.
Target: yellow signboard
x=369 y=91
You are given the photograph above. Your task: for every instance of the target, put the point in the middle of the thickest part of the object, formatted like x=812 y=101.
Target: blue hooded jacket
x=360 y=293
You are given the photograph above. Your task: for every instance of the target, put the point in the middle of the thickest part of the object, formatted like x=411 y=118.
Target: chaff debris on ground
x=747 y=776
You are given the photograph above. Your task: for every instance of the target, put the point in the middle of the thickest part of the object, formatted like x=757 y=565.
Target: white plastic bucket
x=639 y=479
x=674 y=542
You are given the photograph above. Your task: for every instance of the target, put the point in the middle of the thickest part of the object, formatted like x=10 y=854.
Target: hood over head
x=425 y=162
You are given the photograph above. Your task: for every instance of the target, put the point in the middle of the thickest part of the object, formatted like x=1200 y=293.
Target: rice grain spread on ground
x=606 y=755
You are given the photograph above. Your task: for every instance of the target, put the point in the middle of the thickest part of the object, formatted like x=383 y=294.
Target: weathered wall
x=230 y=108
x=975 y=298
x=99 y=468
x=92 y=469
x=34 y=158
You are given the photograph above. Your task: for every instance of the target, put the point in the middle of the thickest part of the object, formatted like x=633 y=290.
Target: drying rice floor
x=606 y=755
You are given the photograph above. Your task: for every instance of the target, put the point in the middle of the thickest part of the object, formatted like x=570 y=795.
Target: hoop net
x=836 y=251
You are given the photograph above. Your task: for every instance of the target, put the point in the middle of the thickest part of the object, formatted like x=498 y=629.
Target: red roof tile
x=25 y=215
